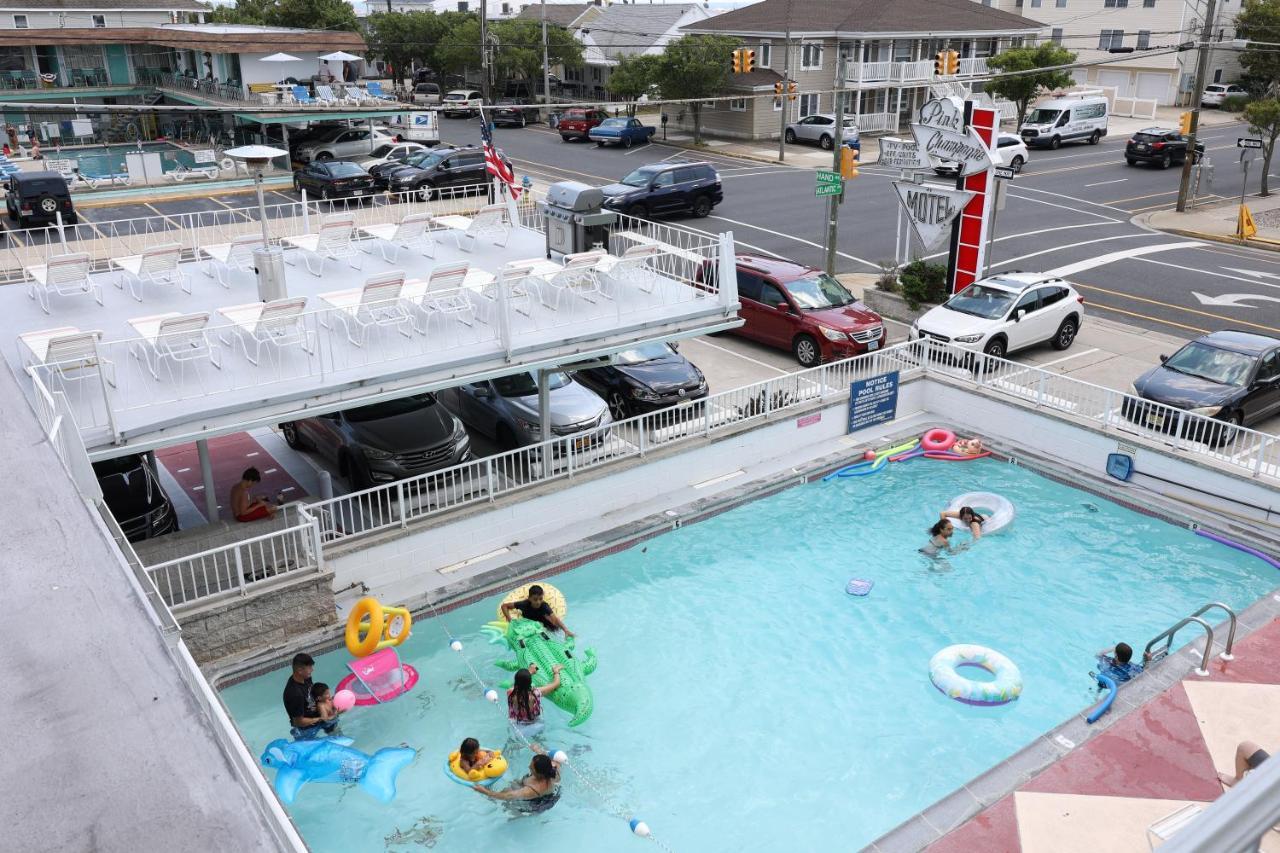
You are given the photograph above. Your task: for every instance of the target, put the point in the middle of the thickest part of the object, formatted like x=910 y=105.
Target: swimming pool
x=744 y=701
x=104 y=160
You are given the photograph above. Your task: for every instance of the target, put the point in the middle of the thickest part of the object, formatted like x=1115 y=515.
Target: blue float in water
x=858 y=586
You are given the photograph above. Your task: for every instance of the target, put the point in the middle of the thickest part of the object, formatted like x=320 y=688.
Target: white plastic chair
x=64 y=275
x=227 y=257
x=73 y=354
x=491 y=222
x=579 y=276
x=412 y=232
x=377 y=303
x=445 y=293
x=157 y=265
x=172 y=339
x=277 y=324
x=331 y=242
x=522 y=282
x=634 y=268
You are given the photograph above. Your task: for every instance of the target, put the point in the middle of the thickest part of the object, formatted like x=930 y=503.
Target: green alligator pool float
x=532 y=643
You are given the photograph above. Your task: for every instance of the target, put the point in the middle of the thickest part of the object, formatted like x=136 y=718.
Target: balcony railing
x=975 y=65
x=920 y=71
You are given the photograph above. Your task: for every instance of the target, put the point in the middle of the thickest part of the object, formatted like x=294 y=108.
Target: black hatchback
x=1160 y=146
x=333 y=179
x=660 y=188
x=645 y=378
x=36 y=198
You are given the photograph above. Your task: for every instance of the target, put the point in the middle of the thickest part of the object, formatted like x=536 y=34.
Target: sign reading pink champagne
x=941 y=135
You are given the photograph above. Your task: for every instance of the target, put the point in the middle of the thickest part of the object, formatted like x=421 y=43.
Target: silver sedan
x=506 y=409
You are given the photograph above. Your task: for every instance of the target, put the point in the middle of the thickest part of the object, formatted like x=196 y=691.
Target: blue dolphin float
x=332 y=759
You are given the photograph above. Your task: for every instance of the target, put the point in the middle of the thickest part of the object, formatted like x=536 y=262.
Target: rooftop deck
x=133 y=395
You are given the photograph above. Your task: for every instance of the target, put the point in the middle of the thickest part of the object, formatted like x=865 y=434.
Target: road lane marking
x=1065 y=207
x=1028 y=189
x=1065 y=358
x=1173 y=191
x=707 y=343
x=1170 y=305
x=1252 y=281
x=1029 y=234
x=1112 y=257
x=1104 y=183
x=796 y=239
x=1072 y=246
x=1141 y=316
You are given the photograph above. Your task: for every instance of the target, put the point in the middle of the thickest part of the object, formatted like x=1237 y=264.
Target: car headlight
x=832 y=334
x=402 y=179
x=528 y=426
x=643 y=393
x=459 y=431
x=1207 y=411
x=375 y=453
x=967 y=339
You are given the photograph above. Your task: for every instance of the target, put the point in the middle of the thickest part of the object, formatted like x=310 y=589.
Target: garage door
x=1118 y=79
x=1154 y=86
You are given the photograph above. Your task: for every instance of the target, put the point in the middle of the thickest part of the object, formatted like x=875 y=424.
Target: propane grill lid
x=575 y=196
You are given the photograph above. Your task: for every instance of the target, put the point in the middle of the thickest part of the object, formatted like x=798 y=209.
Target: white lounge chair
x=634 y=269
x=226 y=257
x=157 y=265
x=331 y=242
x=182 y=171
x=64 y=275
x=580 y=276
x=491 y=222
x=73 y=354
x=412 y=232
x=276 y=324
x=325 y=95
x=446 y=292
x=172 y=338
x=378 y=303
x=522 y=282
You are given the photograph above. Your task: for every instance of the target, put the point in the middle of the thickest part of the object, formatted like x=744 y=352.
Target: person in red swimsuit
x=246 y=507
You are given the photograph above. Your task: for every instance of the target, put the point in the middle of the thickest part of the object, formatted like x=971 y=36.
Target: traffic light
x=748 y=61
x=1184 y=123
x=792 y=89
x=737 y=61
x=848 y=162
x=953 y=62
x=778 y=88
x=940 y=63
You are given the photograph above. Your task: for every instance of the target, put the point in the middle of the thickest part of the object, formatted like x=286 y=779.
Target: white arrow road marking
x=1104 y=183
x=1233 y=300
x=1112 y=257
x=1254 y=273
x=1074 y=245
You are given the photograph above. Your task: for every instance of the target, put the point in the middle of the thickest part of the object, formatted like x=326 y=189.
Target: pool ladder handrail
x=1167 y=636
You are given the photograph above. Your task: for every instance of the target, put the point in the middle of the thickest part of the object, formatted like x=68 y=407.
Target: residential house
x=1091 y=28
x=622 y=30
x=888 y=51
x=570 y=16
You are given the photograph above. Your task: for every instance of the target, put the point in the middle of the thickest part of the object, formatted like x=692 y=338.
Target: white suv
x=1010 y=151
x=1006 y=312
x=1215 y=93
x=341 y=143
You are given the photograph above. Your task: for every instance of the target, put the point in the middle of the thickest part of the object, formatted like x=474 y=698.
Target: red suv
x=577 y=123
x=793 y=306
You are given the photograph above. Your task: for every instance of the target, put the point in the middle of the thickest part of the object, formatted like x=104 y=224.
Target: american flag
x=494 y=164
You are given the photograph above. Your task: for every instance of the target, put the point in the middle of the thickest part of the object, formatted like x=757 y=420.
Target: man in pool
x=304 y=720
x=1249 y=756
x=536 y=608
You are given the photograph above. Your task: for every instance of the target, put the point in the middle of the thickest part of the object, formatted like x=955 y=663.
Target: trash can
x=269 y=263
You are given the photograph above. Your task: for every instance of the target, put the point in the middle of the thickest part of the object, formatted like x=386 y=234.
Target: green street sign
x=828 y=176
x=828 y=189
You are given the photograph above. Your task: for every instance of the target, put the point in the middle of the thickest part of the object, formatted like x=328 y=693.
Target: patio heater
x=268 y=260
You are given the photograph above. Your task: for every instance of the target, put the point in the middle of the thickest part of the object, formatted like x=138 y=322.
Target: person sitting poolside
x=471 y=756
x=536 y=792
x=1117 y=663
x=536 y=608
x=246 y=507
x=940 y=539
x=968 y=446
x=1249 y=756
x=968 y=518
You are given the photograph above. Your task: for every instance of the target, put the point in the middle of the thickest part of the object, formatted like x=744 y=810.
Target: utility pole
x=546 y=68
x=786 y=77
x=484 y=52
x=837 y=149
x=1202 y=69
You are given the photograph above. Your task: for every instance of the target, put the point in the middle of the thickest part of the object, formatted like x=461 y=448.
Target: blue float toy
x=858 y=586
x=332 y=759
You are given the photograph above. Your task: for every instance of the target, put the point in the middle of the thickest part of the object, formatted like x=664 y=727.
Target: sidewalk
x=1218 y=222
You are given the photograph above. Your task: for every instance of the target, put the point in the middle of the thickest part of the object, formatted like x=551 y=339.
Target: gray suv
x=506 y=409
x=384 y=442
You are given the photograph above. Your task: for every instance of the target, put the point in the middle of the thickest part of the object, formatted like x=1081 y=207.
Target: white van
x=1053 y=122
x=416 y=127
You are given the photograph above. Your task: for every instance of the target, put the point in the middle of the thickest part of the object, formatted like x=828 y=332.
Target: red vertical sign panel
x=969 y=231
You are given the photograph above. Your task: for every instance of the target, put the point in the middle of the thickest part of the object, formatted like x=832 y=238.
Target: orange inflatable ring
x=371 y=627
x=938 y=439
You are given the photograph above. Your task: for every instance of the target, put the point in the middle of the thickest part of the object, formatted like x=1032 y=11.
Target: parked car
x=425 y=93
x=1011 y=150
x=577 y=123
x=621 y=131
x=506 y=409
x=1231 y=376
x=645 y=378
x=386 y=441
x=1161 y=146
x=822 y=130
x=343 y=142
x=1215 y=93
x=1006 y=312
x=508 y=113
x=392 y=152
x=438 y=169
x=333 y=179
x=797 y=307
x=36 y=198
x=131 y=490
x=660 y=188
x=461 y=102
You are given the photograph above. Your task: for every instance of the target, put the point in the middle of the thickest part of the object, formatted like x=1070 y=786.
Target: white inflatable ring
x=944 y=672
x=997 y=510
x=227 y=163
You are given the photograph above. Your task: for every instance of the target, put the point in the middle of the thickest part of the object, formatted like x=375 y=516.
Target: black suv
x=506 y=114
x=131 y=490
x=34 y=198
x=666 y=188
x=1159 y=145
x=439 y=168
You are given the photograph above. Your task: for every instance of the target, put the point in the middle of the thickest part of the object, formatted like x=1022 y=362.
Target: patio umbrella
x=280 y=57
x=339 y=56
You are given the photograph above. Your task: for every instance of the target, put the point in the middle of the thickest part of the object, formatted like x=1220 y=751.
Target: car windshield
x=525 y=385
x=819 y=291
x=382 y=151
x=391 y=408
x=118 y=465
x=638 y=178
x=1043 y=116
x=643 y=353
x=980 y=300
x=455 y=96
x=343 y=169
x=426 y=159
x=1216 y=365
x=614 y=122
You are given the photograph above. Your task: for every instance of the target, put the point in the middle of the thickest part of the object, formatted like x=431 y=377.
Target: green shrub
x=923 y=283
x=1235 y=103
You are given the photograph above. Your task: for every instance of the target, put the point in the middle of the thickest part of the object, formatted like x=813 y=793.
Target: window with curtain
x=13 y=59
x=83 y=56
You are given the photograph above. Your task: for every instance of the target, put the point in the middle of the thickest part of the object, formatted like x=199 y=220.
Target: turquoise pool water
x=106 y=160
x=744 y=702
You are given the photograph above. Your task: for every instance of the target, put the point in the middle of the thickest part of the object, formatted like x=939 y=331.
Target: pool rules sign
x=931 y=209
x=873 y=401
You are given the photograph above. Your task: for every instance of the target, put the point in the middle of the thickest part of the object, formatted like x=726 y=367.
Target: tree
x=401 y=38
x=1025 y=88
x=459 y=48
x=632 y=77
x=693 y=68
x=303 y=14
x=1259 y=21
x=1264 y=119
x=519 y=53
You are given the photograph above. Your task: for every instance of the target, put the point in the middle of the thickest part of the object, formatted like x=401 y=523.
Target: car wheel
x=71 y=220
x=790 y=135
x=564 y=138
x=524 y=120
x=996 y=347
x=599 y=144
x=639 y=211
x=1131 y=161
x=1017 y=164
x=626 y=142
x=618 y=407
x=1166 y=161
x=1227 y=432
x=1055 y=143
x=324 y=193
x=702 y=206
x=1066 y=334
x=806 y=351
x=291 y=435
x=425 y=192
x=297 y=187
x=825 y=142
x=1095 y=137
x=324 y=155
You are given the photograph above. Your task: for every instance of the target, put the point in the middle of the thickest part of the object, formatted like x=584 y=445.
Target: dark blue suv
x=661 y=188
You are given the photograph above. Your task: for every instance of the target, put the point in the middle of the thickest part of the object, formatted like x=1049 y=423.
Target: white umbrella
x=339 y=56
x=280 y=57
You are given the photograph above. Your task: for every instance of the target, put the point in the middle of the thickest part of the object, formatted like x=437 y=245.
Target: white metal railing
x=867 y=72
x=1005 y=110
x=887 y=71
x=59 y=425
x=877 y=122
x=973 y=65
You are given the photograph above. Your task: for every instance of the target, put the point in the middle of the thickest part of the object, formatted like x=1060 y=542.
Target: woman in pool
x=524 y=701
x=967 y=518
x=536 y=792
x=940 y=539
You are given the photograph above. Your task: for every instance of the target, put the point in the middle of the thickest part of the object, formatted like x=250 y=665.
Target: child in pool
x=471 y=756
x=1116 y=663
x=324 y=702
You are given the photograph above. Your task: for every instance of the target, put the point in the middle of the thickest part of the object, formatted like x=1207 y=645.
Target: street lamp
x=268 y=260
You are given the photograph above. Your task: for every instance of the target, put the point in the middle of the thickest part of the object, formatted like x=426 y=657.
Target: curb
x=208 y=192
x=1254 y=242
